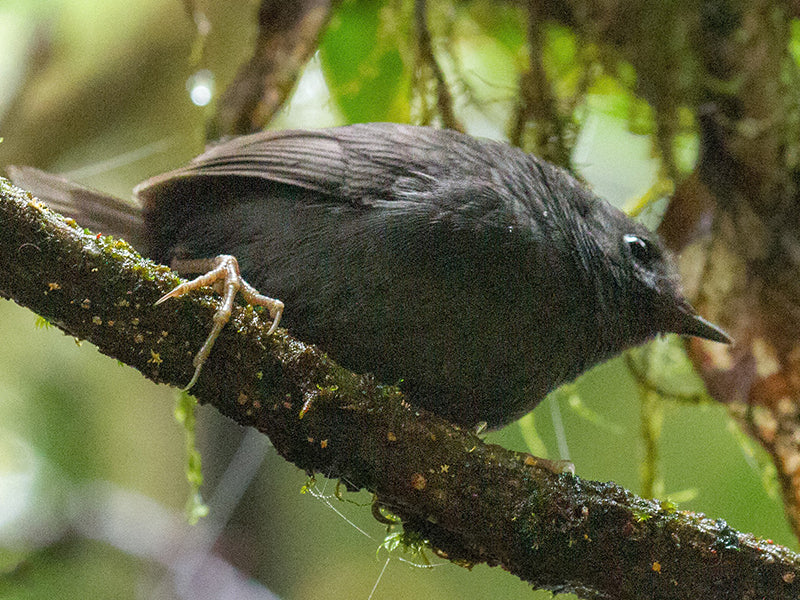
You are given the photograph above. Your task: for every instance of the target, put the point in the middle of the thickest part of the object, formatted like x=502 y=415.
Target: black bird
x=475 y=275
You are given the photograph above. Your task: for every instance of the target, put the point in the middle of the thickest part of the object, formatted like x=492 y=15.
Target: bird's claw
x=225 y=278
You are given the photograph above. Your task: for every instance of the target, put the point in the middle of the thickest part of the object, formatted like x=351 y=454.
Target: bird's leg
x=222 y=274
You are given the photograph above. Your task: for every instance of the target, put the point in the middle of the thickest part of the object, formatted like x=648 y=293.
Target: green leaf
x=363 y=65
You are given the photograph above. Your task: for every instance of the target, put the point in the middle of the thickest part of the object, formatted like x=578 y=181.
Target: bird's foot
x=224 y=277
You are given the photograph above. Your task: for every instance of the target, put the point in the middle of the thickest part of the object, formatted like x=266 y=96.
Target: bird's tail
x=92 y=209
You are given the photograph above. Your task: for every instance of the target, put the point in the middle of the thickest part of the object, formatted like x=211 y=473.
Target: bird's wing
x=354 y=163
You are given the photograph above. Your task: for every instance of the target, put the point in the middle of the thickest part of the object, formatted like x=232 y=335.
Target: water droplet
x=200 y=86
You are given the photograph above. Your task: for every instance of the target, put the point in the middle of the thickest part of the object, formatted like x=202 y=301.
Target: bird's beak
x=690 y=323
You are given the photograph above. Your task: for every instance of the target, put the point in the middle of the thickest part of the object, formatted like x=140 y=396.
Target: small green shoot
x=407 y=542
x=196 y=509
x=641 y=516
x=309 y=485
x=42 y=323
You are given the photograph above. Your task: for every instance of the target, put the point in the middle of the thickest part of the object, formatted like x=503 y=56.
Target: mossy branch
x=474 y=502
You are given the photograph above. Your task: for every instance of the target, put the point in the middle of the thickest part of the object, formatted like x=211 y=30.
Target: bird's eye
x=641 y=250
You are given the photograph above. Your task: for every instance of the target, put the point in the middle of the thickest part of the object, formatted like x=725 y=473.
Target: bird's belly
x=364 y=298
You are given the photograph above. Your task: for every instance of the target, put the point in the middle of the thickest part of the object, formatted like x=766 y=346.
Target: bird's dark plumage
x=477 y=276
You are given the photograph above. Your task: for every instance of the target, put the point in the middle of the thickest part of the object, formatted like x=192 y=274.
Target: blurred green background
x=92 y=462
